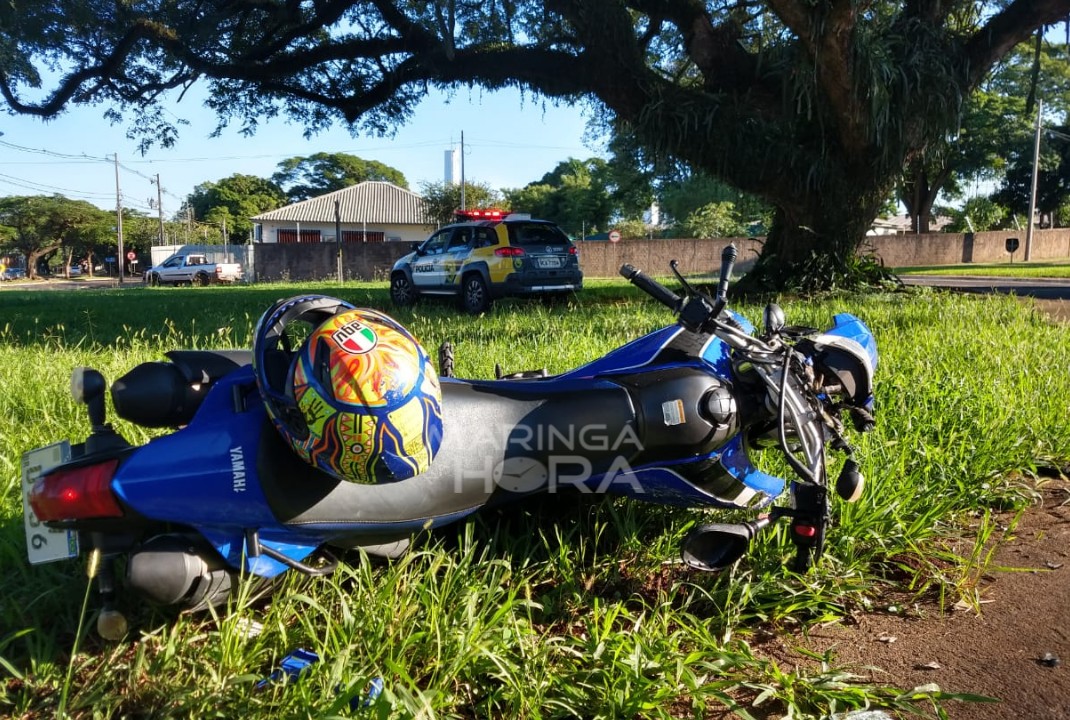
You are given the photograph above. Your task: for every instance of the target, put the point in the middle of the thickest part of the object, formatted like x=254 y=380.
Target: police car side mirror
x=415 y=247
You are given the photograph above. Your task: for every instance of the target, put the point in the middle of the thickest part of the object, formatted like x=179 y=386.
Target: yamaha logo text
x=237 y=469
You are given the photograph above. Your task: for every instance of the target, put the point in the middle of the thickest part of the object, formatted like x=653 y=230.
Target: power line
x=30 y=184
x=79 y=159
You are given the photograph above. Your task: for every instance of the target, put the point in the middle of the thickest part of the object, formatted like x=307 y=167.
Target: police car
x=488 y=254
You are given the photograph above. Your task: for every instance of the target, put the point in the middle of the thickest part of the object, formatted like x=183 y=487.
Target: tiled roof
x=373 y=201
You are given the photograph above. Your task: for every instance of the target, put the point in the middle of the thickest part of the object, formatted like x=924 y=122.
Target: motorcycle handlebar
x=651 y=287
x=728 y=259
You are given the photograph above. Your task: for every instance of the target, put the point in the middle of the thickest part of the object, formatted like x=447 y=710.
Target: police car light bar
x=483 y=214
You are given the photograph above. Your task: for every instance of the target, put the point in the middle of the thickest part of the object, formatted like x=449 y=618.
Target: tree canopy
x=443 y=199
x=573 y=194
x=321 y=173
x=230 y=202
x=39 y=225
x=816 y=107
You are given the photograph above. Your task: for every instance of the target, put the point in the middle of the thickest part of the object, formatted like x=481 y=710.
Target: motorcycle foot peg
x=718 y=545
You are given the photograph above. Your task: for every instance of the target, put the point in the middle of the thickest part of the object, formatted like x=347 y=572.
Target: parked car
x=488 y=255
x=193 y=269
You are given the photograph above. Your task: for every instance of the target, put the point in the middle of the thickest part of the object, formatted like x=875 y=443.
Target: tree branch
x=1005 y=30
x=826 y=32
x=72 y=83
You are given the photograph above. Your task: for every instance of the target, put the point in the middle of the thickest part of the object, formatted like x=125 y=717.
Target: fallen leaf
x=887 y=639
x=928 y=666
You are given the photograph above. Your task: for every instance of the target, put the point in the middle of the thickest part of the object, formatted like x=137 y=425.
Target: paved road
x=1044 y=289
x=63 y=284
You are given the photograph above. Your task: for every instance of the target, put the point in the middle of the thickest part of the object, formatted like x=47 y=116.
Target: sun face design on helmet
x=361 y=399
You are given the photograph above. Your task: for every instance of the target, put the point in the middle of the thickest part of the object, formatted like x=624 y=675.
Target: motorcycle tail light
x=509 y=251
x=76 y=493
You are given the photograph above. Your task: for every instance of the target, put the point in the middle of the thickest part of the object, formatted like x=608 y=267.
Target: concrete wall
x=266 y=262
x=693 y=257
x=319 y=261
x=982 y=247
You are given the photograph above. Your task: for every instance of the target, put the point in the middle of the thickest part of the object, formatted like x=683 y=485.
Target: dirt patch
x=1057 y=310
x=1014 y=646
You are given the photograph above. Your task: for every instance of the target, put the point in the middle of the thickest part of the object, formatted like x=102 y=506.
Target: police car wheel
x=402 y=293
x=474 y=295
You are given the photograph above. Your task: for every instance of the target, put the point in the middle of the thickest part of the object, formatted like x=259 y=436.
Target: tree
x=40 y=225
x=716 y=219
x=573 y=195
x=444 y=199
x=233 y=200
x=815 y=107
x=321 y=173
x=994 y=125
x=1053 y=174
x=977 y=215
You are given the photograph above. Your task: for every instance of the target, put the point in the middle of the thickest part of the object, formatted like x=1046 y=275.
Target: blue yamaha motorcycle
x=667 y=418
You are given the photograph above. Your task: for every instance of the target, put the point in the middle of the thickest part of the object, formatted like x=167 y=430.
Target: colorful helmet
x=359 y=399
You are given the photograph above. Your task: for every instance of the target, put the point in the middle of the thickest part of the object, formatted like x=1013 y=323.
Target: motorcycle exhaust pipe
x=718 y=545
x=176 y=570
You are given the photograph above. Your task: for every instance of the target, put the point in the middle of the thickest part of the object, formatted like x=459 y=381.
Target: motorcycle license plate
x=44 y=544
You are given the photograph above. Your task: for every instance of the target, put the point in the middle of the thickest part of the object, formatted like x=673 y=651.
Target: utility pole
x=338 y=235
x=159 y=207
x=1033 y=190
x=119 y=219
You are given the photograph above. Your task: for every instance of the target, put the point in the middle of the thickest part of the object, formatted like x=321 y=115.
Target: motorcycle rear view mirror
x=718 y=545
x=773 y=318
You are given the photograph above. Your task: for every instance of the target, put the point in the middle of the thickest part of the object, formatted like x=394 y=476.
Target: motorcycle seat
x=498 y=437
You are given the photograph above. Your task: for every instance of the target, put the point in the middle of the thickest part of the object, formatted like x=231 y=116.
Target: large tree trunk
x=919 y=192
x=815 y=244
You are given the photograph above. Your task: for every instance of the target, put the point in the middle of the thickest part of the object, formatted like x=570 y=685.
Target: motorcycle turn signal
x=850 y=483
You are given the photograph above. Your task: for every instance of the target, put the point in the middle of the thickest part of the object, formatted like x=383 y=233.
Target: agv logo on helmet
x=355 y=338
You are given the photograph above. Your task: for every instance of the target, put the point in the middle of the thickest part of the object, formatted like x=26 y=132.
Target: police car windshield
x=535 y=233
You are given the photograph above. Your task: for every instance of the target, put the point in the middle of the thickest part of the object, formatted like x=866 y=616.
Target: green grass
x=564 y=606
x=1018 y=269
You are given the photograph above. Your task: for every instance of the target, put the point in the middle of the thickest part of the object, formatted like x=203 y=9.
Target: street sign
x=131 y=255
x=1012 y=245
x=614 y=236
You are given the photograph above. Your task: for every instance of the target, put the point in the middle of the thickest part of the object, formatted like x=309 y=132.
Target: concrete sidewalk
x=1043 y=288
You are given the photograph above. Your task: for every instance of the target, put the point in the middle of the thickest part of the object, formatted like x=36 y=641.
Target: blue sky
x=510 y=140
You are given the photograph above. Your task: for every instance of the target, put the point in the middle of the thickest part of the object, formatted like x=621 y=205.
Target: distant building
x=371 y=211
x=452 y=167
x=904 y=225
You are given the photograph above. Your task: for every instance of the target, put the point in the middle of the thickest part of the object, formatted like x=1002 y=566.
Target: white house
x=371 y=211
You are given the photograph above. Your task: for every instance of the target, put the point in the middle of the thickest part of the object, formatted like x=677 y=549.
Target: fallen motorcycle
x=247 y=483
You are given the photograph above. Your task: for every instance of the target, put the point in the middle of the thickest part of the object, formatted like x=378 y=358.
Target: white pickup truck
x=193 y=269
